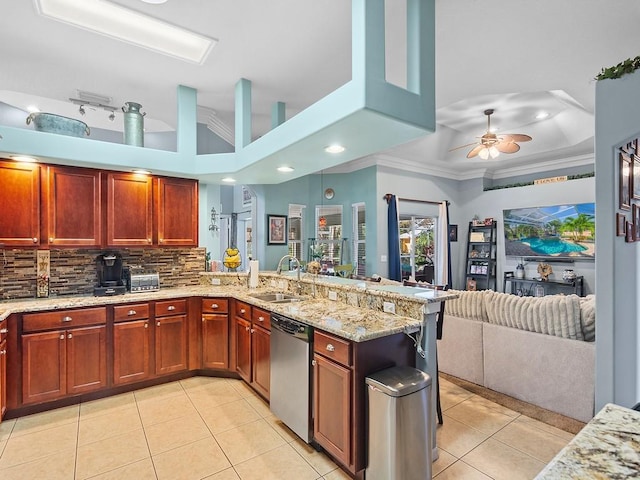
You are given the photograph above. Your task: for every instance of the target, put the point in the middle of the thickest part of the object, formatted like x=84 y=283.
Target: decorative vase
x=520 y=271
x=569 y=275
x=133 y=124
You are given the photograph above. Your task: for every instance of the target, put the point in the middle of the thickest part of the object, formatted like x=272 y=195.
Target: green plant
x=628 y=66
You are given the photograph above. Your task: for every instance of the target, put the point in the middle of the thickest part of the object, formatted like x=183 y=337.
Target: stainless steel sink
x=275 y=297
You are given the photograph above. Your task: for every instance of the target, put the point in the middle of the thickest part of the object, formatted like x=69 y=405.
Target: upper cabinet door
x=20 y=200
x=177 y=212
x=74 y=210
x=129 y=209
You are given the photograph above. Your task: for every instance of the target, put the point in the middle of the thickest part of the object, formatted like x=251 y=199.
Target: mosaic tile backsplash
x=73 y=272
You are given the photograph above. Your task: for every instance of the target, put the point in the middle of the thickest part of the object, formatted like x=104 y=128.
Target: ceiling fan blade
x=515 y=137
x=475 y=151
x=462 y=146
x=507 y=147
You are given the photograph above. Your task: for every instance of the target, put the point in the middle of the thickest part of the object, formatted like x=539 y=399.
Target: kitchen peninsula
x=205 y=335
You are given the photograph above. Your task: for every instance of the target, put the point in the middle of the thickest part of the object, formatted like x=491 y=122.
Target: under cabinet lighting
x=24 y=159
x=140 y=171
x=129 y=26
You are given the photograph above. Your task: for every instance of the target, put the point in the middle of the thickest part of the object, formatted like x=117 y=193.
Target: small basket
x=51 y=123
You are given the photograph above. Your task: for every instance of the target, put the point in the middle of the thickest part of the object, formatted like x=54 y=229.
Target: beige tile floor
x=219 y=429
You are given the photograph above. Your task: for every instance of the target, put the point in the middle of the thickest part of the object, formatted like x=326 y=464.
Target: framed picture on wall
x=246 y=197
x=621 y=225
x=626 y=179
x=635 y=178
x=453 y=233
x=276 y=229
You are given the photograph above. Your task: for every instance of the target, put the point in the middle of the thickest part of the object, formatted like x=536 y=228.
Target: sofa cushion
x=588 y=317
x=470 y=304
x=557 y=315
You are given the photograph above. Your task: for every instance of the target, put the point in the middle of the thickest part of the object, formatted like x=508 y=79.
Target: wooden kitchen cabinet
x=20 y=200
x=215 y=333
x=131 y=343
x=73 y=207
x=176 y=211
x=261 y=351
x=339 y=391
x=63 y=361
x=332 y=400
x=3 y=368
x=129 y=209
x=171 y=336
x=243 y=348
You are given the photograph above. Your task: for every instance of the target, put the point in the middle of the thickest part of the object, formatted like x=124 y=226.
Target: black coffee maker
x=109 y=275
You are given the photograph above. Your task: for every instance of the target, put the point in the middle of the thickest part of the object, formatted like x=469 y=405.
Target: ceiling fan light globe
x=484 y=153
x=493 y=151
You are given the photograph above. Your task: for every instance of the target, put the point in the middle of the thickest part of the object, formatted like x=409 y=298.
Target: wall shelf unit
x=480 y=265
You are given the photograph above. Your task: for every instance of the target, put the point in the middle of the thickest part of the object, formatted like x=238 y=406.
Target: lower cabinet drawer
x=335 y=348
x=171 y=307
x=134 y=311
x=215 y=305
x=34 y=322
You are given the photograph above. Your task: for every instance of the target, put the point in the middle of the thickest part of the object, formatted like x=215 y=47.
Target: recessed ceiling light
x=542 y=115
x=129 y=26
x=228 y=180
x=285 y=169
x=334 y=149
x=22 y=158
x=141 y=171
x=32 y=109
x=155 y=2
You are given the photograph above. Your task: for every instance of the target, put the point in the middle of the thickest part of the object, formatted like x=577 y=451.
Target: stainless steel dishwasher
x=290 y=390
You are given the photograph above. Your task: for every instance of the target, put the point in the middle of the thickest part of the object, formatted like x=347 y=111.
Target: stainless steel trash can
x=399 y=440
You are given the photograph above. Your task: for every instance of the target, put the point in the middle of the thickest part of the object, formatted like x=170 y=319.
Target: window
x=359 y=237
x=295 y=233
x=327 y=246
x=417 y=247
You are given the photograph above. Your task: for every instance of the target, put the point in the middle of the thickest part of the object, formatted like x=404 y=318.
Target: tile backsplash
x=73 y=272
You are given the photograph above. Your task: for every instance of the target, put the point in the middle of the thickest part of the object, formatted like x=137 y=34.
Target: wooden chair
x=344 y=271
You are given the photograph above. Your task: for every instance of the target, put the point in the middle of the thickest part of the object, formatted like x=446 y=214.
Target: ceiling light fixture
x=155 y=2
x=129 y=26
x=81 y=110
x=32 y=109
x=228 y=180
x=112 y=116
x=542 y=115
x=487 y=152
x=334 y=149
x=285 y=169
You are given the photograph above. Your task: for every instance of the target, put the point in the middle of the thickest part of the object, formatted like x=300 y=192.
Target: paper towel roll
x=253 y=273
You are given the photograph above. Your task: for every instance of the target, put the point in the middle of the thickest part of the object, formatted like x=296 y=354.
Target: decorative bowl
x=51 y=123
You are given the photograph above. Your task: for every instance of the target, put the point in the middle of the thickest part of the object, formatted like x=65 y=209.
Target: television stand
x=525 y=287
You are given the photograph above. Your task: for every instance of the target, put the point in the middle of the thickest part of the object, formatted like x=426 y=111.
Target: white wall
x=618 y=263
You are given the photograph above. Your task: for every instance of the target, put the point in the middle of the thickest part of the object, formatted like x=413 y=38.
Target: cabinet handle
x=51 y=239
x=158 y=323
x=66 y=319
x=331 y=348
x=252 y=330
x=242 y=311
x=171 y=308
x=214 y=306
x=62 y=336
x=247 y=328
x=146 y=324
x=148 y=240
x=35 y=239
x=3 y=352
x=70 y=336
x=160 y=240
x=131 y=312
x=261 y=319
x=4 y=330
x=314 y=363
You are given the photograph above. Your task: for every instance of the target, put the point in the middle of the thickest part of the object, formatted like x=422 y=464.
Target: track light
x=81 y=110
x=112 y=116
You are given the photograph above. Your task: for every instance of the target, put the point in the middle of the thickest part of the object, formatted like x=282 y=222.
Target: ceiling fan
x=491 y=145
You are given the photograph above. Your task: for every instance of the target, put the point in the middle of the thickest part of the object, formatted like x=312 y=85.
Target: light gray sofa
x=539 y=350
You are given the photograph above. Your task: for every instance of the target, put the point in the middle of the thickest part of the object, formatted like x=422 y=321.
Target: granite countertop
x=608 y=447
x=347 y=321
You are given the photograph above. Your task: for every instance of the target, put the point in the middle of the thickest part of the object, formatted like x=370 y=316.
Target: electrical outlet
x=389 y=307
x=333 y=295
x=282 y=284
x=215 y=281
x=273 y=284
x=383 y=258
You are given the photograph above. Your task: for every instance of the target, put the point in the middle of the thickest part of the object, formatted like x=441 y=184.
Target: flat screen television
x=555 y=232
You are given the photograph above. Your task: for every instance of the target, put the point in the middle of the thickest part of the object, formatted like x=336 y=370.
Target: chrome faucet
x=279 y=269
